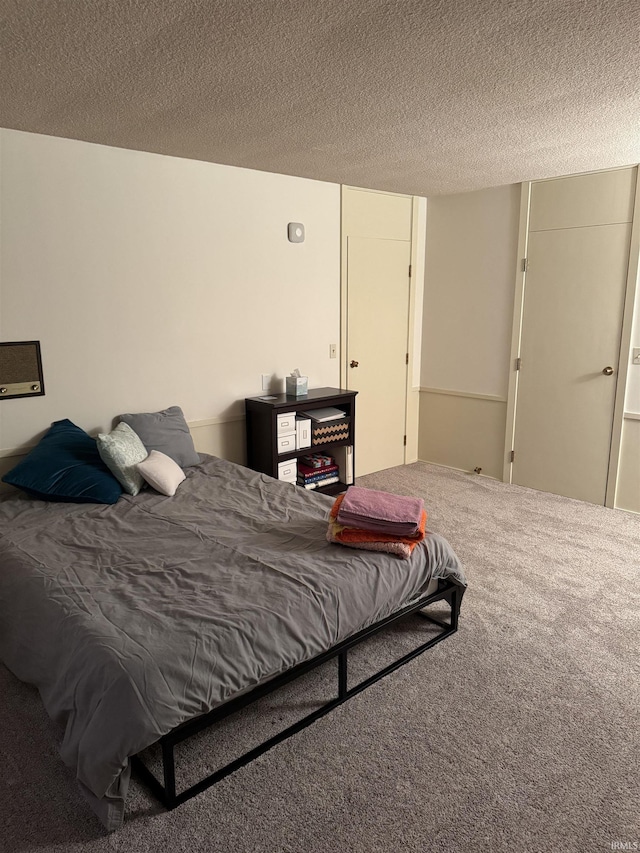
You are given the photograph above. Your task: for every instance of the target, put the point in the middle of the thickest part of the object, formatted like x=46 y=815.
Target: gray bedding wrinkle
x=133 y=618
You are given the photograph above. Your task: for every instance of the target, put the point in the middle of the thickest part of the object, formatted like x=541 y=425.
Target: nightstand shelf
x=262 y=433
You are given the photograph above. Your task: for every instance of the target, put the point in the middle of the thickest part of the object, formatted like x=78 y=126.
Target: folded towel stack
x=377 y=521
x=380 y=512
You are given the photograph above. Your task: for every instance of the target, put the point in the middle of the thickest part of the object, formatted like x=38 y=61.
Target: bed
x=148 y=619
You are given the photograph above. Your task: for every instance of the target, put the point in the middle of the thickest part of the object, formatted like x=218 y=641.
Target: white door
x=572 y=319
x=377 y=346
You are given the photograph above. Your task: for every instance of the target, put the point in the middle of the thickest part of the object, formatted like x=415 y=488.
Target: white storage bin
x=286 y=443
x=288 y=471
x=286 y=423
x=303 y=433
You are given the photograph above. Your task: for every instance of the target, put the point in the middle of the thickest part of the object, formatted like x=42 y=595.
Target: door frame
x=622 y=368
x=416 y=291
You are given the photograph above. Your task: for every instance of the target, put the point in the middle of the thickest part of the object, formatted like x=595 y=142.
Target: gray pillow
x=167 y=432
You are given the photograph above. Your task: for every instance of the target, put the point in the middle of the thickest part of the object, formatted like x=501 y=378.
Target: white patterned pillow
x=121 y=450
x=161 y=472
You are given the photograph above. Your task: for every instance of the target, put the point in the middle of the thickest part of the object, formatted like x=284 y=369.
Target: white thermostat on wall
x=295 y=232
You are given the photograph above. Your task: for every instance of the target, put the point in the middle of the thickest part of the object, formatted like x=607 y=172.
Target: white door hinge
x=512 y=456
x=525 y=264
x=518 y=363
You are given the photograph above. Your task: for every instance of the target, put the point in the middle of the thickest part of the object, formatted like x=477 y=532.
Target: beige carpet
x=520 y=733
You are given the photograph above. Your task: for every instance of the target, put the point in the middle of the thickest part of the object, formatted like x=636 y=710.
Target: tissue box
x=297 y=386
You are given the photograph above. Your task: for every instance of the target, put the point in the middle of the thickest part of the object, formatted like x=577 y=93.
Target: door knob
x=608 y=371
x=354 y=363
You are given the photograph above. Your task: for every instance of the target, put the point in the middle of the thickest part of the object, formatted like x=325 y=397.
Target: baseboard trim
x=459 y=470
x=449 y=392
x=228 y=419
x=16 y=451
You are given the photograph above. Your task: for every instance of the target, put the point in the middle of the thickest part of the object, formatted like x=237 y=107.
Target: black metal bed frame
x=167 y=794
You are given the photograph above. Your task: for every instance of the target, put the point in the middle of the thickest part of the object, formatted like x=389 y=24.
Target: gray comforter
x=133 y=618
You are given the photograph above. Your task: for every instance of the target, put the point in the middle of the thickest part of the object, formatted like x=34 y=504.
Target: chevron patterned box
x=324 y=432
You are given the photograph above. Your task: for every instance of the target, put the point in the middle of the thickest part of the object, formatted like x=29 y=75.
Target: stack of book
x=317 y=470
x=317 y=460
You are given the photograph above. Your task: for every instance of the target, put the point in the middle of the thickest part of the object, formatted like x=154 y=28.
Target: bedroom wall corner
x=462 y=431
x=471 y=252
x=628 y=486
x=418 y=259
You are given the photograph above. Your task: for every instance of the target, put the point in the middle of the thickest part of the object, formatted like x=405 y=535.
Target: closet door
x=377 y=333
x=577 y=259
x=376 y=289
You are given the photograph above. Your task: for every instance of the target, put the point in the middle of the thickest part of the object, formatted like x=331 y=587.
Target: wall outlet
x=635 y=355
x=266 y=381
x=333 y=350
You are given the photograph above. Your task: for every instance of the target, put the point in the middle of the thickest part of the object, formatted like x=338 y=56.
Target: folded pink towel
x=380 y=512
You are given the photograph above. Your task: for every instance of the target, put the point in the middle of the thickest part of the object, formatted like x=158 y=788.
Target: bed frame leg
x=455 y=607
x=169 y=769
x=342 y=675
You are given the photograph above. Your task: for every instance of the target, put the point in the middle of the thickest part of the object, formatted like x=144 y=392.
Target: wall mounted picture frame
x=20 y=370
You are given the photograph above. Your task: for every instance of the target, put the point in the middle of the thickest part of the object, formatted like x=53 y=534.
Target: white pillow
x=121 y=450
x=161 y=472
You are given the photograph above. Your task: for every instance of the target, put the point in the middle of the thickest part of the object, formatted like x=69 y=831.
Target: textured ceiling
x=421 y=96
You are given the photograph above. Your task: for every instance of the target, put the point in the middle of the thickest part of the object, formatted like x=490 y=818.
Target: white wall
x=153 y=281
x=468 y=297
x=466 y=337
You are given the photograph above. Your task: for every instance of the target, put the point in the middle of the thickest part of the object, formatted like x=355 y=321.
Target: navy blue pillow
x=65 y=466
